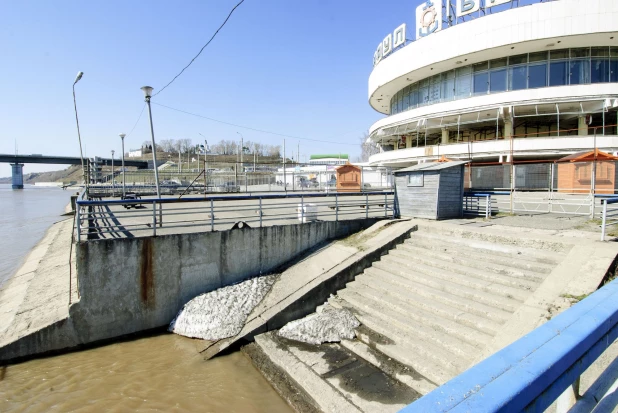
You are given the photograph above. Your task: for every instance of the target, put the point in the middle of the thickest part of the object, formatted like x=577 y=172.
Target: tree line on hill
x=223 y=147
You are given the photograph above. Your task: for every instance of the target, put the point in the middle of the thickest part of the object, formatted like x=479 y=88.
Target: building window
x=537 y=75
x=518 y=77
x=558 y=73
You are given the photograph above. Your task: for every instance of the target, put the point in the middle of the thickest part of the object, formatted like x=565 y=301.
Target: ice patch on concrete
x=221 y=313
x=327 y=325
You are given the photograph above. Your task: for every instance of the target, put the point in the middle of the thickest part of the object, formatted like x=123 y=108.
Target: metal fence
x=236 y=178
x=609 y=215
x=151 y=216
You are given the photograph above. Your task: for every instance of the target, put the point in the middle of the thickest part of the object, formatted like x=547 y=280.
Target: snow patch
x=327 y=325
x=221 y=313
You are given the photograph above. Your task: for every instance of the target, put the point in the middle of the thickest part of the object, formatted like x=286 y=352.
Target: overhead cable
x=137 y=121
x=250 y=128
x=201 y=50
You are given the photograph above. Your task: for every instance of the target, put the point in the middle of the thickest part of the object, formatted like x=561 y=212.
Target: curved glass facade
x=576 y=66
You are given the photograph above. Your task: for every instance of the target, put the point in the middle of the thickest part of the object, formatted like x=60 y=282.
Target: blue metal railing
x=530 y=374
x=472 y=204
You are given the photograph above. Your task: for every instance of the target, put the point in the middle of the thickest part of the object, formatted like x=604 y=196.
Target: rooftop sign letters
x=429 y=19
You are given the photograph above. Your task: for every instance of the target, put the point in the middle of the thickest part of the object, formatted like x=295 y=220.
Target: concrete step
x=388 y=365
x=424 y=358
x=475 y=267
x=388 y=319
x=516 y=287
x=541 y=249
x=448 y=283
x=410 y=297
x=464 y=304
x=470 y=335
x=514 y=260
x=526 y=255
x=507 y=298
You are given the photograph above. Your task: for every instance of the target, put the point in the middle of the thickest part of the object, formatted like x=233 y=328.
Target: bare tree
x=368 y=148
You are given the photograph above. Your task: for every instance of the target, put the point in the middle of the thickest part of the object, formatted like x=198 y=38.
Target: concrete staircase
x=431 y=305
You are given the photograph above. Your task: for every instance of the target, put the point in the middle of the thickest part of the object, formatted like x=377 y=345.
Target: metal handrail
x=101 y=218
x=604 y=216
x=542 y=366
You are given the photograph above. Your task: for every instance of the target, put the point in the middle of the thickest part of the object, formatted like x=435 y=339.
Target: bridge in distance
x=65 y=160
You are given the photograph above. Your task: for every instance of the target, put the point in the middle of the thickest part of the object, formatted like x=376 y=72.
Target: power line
x=137 y=121
x=250 y=128
x=201 y=50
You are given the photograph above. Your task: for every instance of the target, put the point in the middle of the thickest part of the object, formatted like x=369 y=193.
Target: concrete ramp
x=309 y=282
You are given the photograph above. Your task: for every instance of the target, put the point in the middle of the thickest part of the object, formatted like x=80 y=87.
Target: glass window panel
x=538 y=57
x=497 y=80
x=463 y=82
x=478 y=67
x=434 y=89
x=599 y=70
x=518 y=59
x=448 y=85
x=558 y=73
x=393 y=105
x=613 y=51
x=613 y=70
x=518 y=77
x=399 y=101
x=494 y=64
x=579 y=72
x=414 y=96
x=559 y=54
x=481 y=81
x=424 y=82
x=580 y=52
x=423 y=95
x=406 y=98
x=537 y=75
x=599 y=51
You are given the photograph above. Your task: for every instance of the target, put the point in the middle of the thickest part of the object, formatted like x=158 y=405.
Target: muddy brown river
x=162 y=373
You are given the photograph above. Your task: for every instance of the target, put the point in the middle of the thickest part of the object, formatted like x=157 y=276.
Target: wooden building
x=574 y=172
x=432 y=190
x=349 y=178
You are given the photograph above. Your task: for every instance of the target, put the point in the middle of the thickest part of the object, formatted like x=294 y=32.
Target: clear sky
x=294 y=67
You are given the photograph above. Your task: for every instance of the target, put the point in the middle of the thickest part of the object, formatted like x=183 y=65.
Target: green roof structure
x=330 y=156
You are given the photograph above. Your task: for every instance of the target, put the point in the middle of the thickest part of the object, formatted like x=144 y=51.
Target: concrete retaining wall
x=134 y=284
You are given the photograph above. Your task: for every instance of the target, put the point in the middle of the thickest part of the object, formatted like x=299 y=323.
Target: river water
x=163 y=373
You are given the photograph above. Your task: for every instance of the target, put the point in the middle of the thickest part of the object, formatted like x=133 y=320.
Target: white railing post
x=260 y=212
x=302 y=210
x=385 y=206
x=79 y=219
x=336 y=208
x=212 y=217
x=366 y=206
x=154 y=218
x=487 y=206
x=604 y=202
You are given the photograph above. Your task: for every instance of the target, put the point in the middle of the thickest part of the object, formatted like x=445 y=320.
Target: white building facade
x=534 y=82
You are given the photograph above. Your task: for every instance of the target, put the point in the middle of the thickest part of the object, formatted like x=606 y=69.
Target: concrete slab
x=38 y=295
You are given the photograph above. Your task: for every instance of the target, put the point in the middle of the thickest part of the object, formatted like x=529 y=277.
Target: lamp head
x=122 y=135
x=79 y=76
x=147 y=91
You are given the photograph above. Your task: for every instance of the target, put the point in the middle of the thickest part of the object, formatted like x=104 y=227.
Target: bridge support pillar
x=17 y=175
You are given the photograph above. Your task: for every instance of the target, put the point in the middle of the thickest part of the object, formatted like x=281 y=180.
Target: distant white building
x=331 y=159
x=135 y=153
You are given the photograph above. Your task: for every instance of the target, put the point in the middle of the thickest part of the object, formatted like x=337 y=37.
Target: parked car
x=229 y=187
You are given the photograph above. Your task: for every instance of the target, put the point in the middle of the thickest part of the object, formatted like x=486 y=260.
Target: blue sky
x=294 y=67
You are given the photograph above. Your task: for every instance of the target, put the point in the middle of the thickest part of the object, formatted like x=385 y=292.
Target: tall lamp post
x=122 y=135
x=79 y=137
x=147 y=95
x=241 y=148
x=113 y=186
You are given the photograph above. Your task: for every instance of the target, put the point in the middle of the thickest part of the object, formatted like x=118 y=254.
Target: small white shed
x=432 y=190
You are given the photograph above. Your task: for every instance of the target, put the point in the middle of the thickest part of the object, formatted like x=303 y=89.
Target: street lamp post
x=122 y=135
x=241 y=148
x=79 y=137
x=113 y=184
x=147 y=95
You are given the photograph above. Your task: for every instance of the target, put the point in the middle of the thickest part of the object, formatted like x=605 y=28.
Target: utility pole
x=284 y=173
